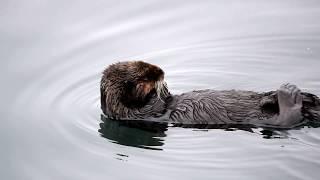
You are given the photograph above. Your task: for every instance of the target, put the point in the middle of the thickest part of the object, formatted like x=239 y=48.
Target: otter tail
x=311 y=109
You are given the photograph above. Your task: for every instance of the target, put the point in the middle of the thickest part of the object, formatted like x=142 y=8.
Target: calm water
x=52 y=55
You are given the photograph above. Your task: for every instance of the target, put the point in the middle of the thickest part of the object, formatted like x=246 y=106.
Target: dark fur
x=120 y=96
x=127 y=93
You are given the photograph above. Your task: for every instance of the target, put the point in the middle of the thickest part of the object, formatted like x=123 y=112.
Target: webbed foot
x=290 y=104
x=289 y=98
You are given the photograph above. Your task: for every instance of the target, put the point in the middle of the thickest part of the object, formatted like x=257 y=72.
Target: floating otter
x=136 y=90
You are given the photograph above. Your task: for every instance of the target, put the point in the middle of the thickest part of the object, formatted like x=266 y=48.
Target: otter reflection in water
x=136 y=90
x=150 y=137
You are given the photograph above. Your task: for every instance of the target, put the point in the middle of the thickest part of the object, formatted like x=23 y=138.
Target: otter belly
x=218 y=107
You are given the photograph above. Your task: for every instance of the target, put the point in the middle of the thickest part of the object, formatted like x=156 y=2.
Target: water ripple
x=54 y=109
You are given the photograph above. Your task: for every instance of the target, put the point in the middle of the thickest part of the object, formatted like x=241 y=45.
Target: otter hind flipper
x=289 y=100
x=290 y=105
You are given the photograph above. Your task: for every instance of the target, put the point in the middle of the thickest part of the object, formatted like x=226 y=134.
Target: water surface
x=53 y=52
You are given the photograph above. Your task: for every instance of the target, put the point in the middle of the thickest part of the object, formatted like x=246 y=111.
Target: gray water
x=53 y=52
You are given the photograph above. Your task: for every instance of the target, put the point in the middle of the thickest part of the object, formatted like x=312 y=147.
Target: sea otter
x=136 y=90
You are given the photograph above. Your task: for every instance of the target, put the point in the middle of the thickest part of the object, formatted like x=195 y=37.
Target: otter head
x=132 y=84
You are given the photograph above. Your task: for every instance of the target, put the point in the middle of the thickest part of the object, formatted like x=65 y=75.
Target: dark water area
x=53 y=52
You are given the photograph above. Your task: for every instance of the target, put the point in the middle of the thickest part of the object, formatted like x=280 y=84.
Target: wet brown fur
x=128 y=91
x=128 y=85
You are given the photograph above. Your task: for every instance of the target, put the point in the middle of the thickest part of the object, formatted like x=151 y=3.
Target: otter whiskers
x=161 y=90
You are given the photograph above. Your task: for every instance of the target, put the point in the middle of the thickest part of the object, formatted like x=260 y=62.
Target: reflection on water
x=272 y=134
x=151 y=135
x=125 y=134
x=52 y=55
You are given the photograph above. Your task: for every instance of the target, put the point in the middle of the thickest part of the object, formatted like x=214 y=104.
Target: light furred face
x=138 y=82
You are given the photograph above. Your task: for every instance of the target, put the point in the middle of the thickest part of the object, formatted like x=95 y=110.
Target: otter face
x=136 y=81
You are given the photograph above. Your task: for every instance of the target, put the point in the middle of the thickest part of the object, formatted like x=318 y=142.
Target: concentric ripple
x=63 y=103
x=53 y=63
